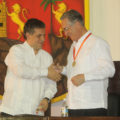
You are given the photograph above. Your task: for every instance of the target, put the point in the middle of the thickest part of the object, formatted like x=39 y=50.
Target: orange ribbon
x=74 y=56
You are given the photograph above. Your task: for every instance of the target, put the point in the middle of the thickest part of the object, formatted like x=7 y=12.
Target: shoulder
x=101 y=46
x=99 y=41
x=46 y=57
x=46 y=54
x=17 y=48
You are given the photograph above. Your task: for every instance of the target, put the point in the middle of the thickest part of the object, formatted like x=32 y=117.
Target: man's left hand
x=43 y=106
x=78 y=79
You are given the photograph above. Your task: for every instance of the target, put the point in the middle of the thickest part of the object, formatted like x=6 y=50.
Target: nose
x=66 y=33
x=42 y=38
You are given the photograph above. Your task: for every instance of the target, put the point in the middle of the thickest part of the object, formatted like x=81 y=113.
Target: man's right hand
x=53 y=74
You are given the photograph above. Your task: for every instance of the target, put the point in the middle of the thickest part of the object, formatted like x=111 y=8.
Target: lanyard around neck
x=75 y=56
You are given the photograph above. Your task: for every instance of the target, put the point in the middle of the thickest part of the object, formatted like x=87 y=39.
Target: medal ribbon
x=74 y=56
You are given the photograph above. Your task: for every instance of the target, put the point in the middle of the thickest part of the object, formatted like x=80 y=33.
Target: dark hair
x=72 y=16
x=31 y=24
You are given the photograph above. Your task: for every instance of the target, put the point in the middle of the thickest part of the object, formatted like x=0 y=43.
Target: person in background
x=88 y=69
x=28 y=87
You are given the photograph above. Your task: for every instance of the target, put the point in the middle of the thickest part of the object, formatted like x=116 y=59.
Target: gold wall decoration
x=3 y=28
x=62 y=7
x=15 y=17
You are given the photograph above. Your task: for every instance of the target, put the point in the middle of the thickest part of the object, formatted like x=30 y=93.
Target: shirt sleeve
x=16 y=63
x=64 y=70
x=104 y=64
x=51 y=88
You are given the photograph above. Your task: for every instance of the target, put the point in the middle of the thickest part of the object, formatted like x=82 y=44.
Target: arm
x=50 y=91
x=64 y=70
x=104 y=67
x=53 y=73
x=51 y=88
x=16 y=63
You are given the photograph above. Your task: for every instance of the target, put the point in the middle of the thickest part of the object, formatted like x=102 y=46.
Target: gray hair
x=73 y=16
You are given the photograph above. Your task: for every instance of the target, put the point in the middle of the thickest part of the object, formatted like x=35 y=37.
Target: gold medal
x=74 y=63
x=75 y=56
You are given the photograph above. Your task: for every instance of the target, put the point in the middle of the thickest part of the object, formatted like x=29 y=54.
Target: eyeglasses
x=70 y=25
x=67 y=28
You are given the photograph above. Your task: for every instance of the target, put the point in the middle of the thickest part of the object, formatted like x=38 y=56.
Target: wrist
x=47 y=99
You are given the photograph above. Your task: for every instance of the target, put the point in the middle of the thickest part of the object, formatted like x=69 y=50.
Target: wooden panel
x=84 y=118
x=28 y=117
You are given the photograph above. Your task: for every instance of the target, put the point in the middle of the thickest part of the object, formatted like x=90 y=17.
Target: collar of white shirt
x=77 y=44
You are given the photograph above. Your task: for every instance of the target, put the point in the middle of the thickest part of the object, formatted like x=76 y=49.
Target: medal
x=74 y=63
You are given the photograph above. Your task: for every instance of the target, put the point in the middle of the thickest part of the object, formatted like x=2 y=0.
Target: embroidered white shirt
x=26 y=83
x=95 y=62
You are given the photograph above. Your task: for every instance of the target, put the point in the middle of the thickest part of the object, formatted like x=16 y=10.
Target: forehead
x=65 y=22
x=39 y=31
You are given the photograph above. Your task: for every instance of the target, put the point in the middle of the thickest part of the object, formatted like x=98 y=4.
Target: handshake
x=54 y=72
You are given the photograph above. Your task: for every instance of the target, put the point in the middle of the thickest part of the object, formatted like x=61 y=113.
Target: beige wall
x=105 y=22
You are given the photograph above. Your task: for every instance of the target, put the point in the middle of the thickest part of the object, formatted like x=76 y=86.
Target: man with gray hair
x=88 y=69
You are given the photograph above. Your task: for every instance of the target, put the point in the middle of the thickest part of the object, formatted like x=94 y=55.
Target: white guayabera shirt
x=95 y=62
x=26 y=83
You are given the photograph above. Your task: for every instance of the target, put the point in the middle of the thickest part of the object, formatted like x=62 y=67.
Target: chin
x=39 y=48
x=74 y=40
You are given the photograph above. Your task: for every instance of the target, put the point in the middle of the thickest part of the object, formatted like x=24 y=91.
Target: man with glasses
x=88 y=69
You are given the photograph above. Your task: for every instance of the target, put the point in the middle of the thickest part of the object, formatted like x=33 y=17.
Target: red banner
x=19 y=10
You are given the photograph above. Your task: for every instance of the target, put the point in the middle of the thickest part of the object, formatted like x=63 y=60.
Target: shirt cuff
x=44 y=72
x=87 y=77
